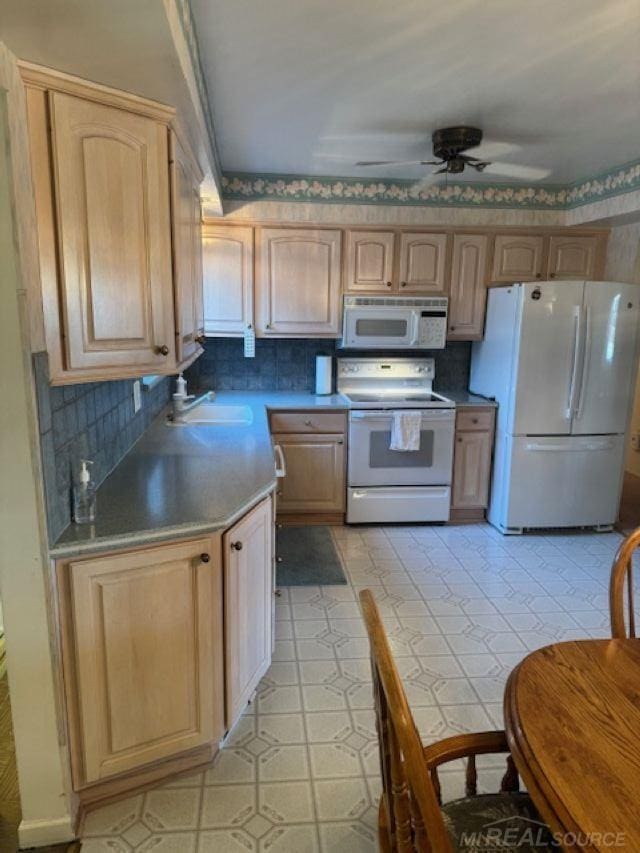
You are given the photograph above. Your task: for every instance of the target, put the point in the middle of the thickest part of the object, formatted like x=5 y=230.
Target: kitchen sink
x=217 y=414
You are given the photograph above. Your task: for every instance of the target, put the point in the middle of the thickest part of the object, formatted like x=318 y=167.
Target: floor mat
x=307 y=557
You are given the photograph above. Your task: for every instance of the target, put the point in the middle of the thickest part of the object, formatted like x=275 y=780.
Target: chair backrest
x=621 y=579
x=414 y=820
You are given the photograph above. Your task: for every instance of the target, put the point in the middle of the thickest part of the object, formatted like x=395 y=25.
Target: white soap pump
x=181 y=386
x=84 y=495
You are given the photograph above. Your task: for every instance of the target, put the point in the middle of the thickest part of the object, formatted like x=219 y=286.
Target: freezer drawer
x=398 y=503
x=559 y=481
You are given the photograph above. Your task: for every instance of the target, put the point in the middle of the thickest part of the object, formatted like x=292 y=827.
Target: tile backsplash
x=289 y=365
x=95 y=421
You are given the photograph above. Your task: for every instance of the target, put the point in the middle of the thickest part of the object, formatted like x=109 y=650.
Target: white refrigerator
x=560 y=359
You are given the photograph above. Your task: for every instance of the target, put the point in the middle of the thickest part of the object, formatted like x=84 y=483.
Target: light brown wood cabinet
x=423 y=262
x=473 y=449
x=187 y=252
x=314 y=448
x=228 y=279
x=370 y=261
x=572 y=257
x=520 y=257
x=467 y=290
x=298 y=284
x=315 y=478
x=517 y=257
x=142 y=650
x=248 y=589
x=103 y=178
x=112 y=201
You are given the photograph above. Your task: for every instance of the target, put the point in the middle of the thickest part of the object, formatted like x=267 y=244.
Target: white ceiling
x=290 y=80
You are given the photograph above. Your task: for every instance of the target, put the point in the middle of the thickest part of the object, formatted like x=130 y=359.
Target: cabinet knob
x=403 y=284
x=538 y=275
x=474 y=420
x=267 y=325
x=205 y=558
x=459 y=440
x=389 y=284
x=163 y=350
x=340 y=441
x=200 y=339
x=552 y=275
x=237 y=546
x=452 y=328
x=308 y=423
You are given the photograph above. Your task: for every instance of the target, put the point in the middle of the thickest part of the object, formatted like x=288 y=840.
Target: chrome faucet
x=183 y=402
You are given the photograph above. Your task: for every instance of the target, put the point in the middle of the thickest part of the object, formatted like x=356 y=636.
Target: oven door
x=372 y=463
x=368 y=327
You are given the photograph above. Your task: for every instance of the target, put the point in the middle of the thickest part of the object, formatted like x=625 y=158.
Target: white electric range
x=389 y=485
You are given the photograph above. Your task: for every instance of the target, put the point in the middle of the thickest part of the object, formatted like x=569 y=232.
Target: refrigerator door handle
x=605 y=444
x=584 y=370
x=575 y=362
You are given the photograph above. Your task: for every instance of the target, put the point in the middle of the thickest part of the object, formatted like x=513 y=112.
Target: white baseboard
x=41 y=833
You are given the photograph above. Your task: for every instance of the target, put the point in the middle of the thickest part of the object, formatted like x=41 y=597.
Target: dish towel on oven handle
x=405 y=430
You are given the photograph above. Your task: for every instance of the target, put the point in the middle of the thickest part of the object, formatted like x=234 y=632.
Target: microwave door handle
x=415 y=328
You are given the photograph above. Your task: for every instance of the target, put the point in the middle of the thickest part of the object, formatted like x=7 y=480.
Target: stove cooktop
x=398 y=400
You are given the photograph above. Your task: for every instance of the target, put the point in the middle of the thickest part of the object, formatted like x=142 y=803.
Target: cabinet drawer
x=326 y=422
x=474 y=419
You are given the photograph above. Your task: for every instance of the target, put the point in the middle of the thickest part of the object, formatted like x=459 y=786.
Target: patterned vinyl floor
x=299 y=773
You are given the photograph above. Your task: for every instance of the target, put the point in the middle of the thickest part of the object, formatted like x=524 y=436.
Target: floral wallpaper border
x=341 y=190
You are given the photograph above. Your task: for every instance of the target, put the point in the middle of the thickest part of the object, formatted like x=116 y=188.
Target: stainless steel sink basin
x=217 y=414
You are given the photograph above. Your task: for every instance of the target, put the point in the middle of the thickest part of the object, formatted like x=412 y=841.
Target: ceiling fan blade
x=515 y=170
x=490 y=150
x=389 y=163
x=423 y=183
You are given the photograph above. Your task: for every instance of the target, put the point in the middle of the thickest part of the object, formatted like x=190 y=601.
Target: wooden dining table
x=572 y=718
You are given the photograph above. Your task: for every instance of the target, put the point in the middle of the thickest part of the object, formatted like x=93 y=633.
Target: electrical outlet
x=137 y=396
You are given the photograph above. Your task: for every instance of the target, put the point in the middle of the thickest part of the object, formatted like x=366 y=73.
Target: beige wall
x=623 y=264
x=24 y=568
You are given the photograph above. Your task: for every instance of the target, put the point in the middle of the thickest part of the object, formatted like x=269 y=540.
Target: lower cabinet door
x=248 y=589
x=471 y=469
x=145 y=629
x=315 y=473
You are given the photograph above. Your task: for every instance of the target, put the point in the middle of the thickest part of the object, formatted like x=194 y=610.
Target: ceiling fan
x=459 y=148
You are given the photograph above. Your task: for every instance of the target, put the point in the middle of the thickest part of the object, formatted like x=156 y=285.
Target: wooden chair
x=411 y=817
x=621 y=577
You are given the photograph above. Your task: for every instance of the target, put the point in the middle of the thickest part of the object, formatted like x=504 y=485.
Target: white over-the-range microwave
x=386 y=322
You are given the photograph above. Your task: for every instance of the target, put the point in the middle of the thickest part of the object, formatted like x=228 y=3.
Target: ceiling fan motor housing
x=451 y=141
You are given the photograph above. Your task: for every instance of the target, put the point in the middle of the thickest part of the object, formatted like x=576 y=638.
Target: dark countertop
x=466 y=398
x=190 y=480
x=187 y=480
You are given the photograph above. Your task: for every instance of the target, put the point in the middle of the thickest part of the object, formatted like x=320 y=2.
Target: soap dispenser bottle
x=84 y=495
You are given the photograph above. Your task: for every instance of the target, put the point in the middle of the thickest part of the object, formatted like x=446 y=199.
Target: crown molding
x=249 y=186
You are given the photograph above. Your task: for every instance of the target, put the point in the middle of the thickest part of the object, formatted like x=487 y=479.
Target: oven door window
x=381 y=327
x=381 y=457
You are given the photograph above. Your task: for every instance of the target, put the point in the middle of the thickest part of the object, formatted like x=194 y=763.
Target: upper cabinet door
x=298 y=283
x=423 y=262
x=572 y=257
x=228 y=279
x=369 y=264
x=517 y=258
x=187 y=267
x=114 y=237
x=468 y=293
